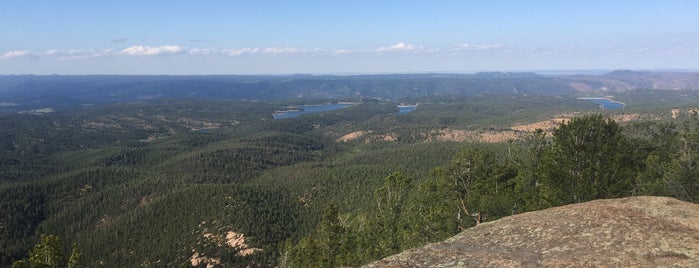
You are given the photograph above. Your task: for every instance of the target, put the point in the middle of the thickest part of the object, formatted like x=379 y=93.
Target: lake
x=606 y=103
x=404 y=109
x=309 y=109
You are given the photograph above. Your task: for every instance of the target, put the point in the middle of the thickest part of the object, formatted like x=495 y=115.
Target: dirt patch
x=454 y=135
x=388 y=137
x=367 y=136
x=352 y=136
x=499 y=136
x=198 y=259
x=491 y=136
x=229 y=241
x=237 y=241
x=550 y=124
x=675 y=113
x=102 y=222
x=627 y=117
x=545 y=125
x=145 y=200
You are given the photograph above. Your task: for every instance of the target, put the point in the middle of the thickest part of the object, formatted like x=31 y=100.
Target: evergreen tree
x=391 y=199
x=589 y=159
x=429 y=214
x=330 y=235
x=529 y=174
x=47 y=253
x=480 y=186
x=681 y=173
x=20 y=264
x=74 y=259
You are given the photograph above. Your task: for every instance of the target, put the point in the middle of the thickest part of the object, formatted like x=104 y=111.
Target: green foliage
x=529 y=163
x=395 y=222
x=20 y=264
x=480 y=185
x=75 y=256
x=429 y=214
x=145 y=183
x=678 y=175
x=23 y=208
x=48 y=253
x=589 y=159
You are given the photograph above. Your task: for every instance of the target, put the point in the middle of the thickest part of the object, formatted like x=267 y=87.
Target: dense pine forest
x=188 y=181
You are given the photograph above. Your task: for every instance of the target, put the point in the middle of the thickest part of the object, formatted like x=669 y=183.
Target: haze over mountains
x=22 y=92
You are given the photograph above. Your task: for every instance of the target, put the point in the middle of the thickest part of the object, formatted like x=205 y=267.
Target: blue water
x=309 y=109
x=608 y=104
x=405 y=109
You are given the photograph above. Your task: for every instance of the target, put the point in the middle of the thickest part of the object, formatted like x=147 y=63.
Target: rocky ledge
x=629 y=232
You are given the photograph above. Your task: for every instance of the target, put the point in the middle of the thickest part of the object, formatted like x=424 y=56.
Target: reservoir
x=308 y=109
x=404 y=109
x=606 y=103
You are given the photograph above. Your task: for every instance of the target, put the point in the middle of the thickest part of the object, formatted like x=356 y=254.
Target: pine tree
x=330 y=235
x=47 y=253
x=589 y=159
x=74 y=259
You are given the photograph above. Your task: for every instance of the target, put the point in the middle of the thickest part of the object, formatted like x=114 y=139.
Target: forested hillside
x=189 y=182
x=31 y=92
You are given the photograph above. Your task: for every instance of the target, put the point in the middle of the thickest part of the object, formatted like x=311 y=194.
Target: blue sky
x=328 y=36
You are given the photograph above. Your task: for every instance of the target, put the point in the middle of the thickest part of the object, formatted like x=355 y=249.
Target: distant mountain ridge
x=22 y=92
x=625 y=80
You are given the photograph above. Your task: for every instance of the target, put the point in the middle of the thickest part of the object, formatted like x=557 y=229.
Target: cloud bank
x=17 y=54
x=77 y=54
x=151 y=51
x=464 y=49
x=402 y=46
x=467 y=46
x=141 y=50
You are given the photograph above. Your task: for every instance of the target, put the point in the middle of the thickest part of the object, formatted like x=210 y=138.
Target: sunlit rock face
x=628 y=232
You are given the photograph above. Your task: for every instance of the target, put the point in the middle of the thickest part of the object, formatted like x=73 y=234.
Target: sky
x=344 y=37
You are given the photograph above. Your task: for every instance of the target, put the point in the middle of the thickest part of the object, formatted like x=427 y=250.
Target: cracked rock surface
x=628 y=232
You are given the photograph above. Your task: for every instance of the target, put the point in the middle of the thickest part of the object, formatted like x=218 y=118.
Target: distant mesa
x=505 y=75
x=29 y=92
x=625 y=72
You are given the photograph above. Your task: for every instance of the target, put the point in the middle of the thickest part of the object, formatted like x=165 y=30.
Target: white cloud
x=16 y=54
x=345 y=51
x=151 y=51
x=467 y=46
x=241 y=51
x=76 y=54
x=402 y=46
x=281 y=50
x=201 y=51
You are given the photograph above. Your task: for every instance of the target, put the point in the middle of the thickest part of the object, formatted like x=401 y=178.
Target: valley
x=193 y=180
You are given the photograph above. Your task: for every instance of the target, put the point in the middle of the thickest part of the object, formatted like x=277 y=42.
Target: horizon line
x=539 y=72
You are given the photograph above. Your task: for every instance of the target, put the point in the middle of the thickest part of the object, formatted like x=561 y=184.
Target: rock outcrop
x=628 y=232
